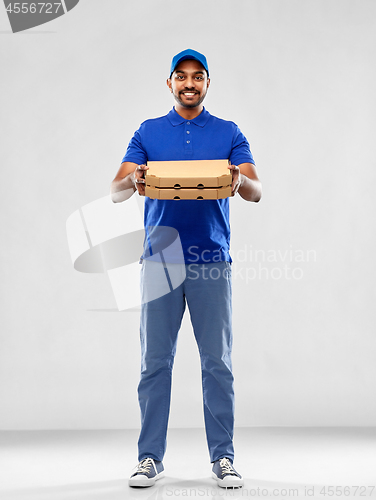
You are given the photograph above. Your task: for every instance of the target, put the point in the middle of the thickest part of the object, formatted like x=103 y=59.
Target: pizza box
x=188 y=174
x=188 y=193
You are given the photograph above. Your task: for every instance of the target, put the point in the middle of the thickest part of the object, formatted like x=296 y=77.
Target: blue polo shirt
x=203 y=225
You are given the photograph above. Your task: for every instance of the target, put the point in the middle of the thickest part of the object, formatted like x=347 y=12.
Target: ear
x=169 y=84
x=208 y=83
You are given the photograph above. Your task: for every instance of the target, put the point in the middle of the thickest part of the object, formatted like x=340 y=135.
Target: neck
x=188 y=113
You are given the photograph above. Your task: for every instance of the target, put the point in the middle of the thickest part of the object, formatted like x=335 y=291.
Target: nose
x=190 y=83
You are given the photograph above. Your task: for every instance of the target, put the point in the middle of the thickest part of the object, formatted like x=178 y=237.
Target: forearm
x=122 y=189
x=250 y=189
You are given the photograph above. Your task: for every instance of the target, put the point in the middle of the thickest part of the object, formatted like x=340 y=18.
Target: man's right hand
x=130 y=177
x=138 y=178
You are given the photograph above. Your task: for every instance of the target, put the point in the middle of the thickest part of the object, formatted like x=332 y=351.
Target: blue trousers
x=206 y=289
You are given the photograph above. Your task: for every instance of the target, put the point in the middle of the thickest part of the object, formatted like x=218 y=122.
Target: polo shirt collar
x=200 y=120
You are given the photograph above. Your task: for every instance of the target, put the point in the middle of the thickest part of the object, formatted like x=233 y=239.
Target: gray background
x=298 y=77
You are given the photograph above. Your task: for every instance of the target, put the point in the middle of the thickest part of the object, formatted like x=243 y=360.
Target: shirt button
x=188 y=142
x=188 y=123
x=188 y=132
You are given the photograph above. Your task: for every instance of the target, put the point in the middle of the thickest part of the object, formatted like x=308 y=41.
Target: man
x=188 y=132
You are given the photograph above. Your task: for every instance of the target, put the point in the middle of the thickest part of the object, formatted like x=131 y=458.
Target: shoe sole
x=141 y=481
x=229 y=482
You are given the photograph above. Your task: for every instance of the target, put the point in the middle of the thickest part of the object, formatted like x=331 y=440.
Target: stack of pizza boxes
x=188 y=180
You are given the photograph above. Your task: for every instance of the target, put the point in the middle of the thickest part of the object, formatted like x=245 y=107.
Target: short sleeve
x=135 y=152
x=240 y=151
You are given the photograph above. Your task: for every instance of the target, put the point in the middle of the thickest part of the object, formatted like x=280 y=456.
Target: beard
x=189 y=105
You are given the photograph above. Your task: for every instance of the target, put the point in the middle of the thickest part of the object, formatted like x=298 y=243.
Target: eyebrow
x=195 y=72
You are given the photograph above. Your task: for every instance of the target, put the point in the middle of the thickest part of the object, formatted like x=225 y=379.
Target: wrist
x=132 y=178
x=241 y=180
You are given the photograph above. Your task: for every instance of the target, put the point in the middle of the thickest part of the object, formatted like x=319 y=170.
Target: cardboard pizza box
x=188 y=193
x=188 y=174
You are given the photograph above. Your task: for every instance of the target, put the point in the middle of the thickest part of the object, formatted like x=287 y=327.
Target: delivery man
x=188 y=132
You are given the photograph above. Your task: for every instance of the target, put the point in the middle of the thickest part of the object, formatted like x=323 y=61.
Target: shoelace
x=226 y=466
x=144 y=466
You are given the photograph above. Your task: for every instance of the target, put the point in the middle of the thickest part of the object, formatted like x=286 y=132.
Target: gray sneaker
x=146 y=473
x=225 y=474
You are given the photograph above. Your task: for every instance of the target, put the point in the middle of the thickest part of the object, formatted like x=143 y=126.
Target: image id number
x=347 y=490
x=33 y=8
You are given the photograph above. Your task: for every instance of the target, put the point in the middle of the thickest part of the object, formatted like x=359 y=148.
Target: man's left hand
x=237 y=179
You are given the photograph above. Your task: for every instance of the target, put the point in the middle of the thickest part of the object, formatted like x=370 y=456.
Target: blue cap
x=188 y=54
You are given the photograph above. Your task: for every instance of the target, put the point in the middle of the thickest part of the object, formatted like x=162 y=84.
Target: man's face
x=189 y=83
